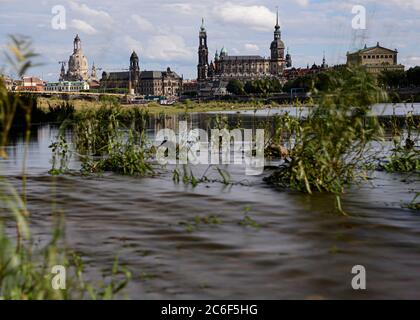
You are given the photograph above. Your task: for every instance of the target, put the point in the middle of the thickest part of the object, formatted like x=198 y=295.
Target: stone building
x=123 y=80
x=189 y=87
x=249 y=67
x=8 y=82
x=160 y=83
x=30 y=84
x=293 y=73
x=148 y=83
x=67 y=86
x=375 y=59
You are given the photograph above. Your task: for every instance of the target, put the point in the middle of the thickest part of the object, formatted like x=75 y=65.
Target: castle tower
x=203 y=55
x=277 y=51
x=288 y=59
x=134 y=71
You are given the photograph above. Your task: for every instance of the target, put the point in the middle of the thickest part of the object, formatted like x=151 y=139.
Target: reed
x=26 y=269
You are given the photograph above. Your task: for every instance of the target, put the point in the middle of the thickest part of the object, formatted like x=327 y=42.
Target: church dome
x=223 y=52
x=78 y=64
x=277 y=44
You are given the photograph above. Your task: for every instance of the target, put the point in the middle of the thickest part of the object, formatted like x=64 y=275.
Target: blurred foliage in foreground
x=25 y=269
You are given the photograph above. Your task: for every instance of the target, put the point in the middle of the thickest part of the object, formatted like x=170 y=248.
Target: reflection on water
x=382 y=109
x=301 y=250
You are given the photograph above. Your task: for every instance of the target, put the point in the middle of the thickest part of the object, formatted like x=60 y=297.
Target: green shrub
x=331 y=143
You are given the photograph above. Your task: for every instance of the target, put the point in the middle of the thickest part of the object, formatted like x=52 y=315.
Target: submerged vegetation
x=109 y=138
x=405 y=156
x=331 y=144
x=325 y=151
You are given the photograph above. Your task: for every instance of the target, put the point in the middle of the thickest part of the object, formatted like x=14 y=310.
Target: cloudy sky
x=165 y=32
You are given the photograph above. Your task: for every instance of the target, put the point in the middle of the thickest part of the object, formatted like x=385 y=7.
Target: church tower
x=203 y=55
x=93 y=73
x=277 y=51
x=134 y=71
x=63 y=71
x=288 y=59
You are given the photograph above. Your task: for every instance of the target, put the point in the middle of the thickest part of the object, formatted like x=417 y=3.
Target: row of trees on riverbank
x=319 y=81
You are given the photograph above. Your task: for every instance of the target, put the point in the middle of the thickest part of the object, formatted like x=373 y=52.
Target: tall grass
x=332 y=142
x=25 y=269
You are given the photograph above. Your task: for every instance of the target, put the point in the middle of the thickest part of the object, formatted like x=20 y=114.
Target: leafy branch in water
x=61 y=155
x=414 y=204
x=405 y=155
x=331 y=144
x=188 y=176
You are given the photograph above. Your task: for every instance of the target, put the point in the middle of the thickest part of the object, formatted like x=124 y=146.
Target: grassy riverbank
x=156 y=108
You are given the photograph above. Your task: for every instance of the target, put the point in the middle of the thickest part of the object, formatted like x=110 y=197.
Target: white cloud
x=83 y=26
x=168 y=47
x=184 y=8
x=142 y=23
x=406 y=4
x=133 y=44
x=251 y=47
x=303 y=3
x=411 y=61
x=256 y=17
x=83 y=9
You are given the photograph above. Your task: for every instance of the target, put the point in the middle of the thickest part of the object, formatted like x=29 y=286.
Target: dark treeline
x=321 y=81
x=255 y=87
x=400 y=79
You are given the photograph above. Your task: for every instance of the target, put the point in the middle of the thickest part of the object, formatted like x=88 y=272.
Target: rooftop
x=242 y=58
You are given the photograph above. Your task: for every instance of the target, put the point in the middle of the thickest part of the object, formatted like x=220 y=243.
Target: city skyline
x=165 y=34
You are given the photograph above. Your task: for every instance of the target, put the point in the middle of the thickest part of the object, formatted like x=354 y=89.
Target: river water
x=301 y=249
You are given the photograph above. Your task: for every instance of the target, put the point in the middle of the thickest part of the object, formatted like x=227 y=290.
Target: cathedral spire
x=202 y=28
x=203 y=54
x=277 y=33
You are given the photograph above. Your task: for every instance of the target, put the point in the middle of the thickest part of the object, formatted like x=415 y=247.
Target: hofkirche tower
x=203 y=55
x=277 y=62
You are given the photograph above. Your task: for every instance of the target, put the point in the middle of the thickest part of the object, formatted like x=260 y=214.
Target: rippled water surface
x=301 y=249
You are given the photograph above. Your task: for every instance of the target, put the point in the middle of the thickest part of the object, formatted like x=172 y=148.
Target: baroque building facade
x=245 y=67
x=148 y=83
x=375 y=59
